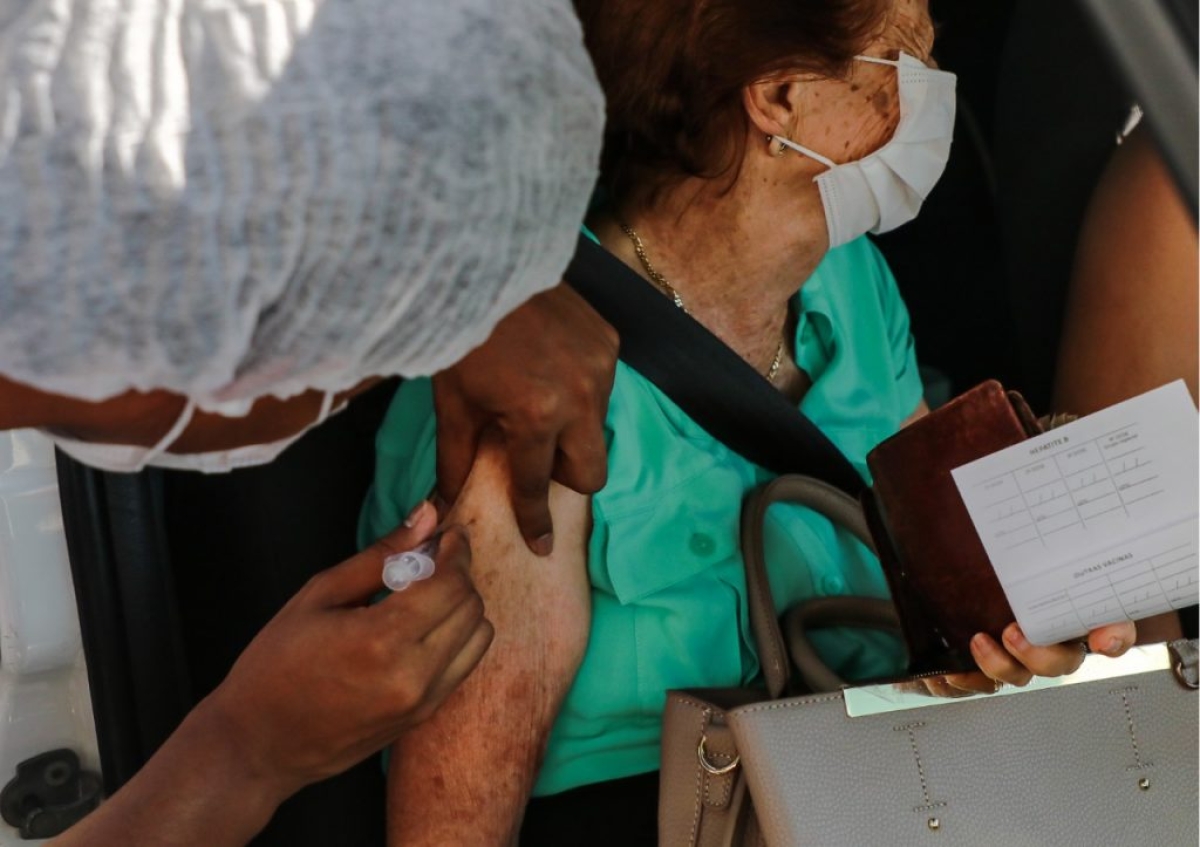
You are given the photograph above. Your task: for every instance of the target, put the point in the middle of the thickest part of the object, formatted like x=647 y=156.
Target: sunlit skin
x=469 y=769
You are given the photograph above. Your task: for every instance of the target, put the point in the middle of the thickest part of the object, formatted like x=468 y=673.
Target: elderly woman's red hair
x=678 y=110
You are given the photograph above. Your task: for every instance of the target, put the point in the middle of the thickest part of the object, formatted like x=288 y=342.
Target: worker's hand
x=542 y=380
x=332 y=679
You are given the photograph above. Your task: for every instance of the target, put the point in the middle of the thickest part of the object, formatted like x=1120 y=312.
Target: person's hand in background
x=1121 y=339
x=542 y=380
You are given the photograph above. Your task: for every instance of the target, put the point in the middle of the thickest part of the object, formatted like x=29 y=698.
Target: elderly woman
x=749 y=146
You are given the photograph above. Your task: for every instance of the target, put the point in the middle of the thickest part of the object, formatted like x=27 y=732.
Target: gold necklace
x=668 y=289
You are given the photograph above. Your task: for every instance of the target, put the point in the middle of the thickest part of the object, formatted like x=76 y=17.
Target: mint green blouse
x=668 y=590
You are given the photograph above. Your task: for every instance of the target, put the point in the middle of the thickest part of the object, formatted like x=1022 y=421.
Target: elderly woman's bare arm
x=465 y=775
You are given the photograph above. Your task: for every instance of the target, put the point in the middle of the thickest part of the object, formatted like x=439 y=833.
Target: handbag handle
x=821 y=612
x=843 y=511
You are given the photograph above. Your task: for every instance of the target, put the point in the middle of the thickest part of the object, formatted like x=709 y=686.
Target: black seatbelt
x=711 y=383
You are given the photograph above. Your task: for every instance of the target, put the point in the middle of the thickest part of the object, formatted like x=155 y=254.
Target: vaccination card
x=1093 y=522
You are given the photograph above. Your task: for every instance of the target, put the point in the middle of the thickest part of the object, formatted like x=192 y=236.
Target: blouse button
x=831 y=585
x=701 y=544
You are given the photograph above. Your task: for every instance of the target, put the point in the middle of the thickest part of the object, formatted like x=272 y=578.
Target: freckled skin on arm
x=464 y=776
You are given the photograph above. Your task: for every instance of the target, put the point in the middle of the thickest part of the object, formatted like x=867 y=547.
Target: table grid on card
x=1124 y=586
x=1095 y=521
x=1097 y=479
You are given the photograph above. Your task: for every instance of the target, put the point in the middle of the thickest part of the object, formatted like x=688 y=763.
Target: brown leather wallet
x=941 y=580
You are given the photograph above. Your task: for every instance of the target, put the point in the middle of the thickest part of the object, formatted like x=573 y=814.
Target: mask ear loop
x=185 y=418
x=326 y=408
x=895 y=63
x=813 y=154
x=801 y=149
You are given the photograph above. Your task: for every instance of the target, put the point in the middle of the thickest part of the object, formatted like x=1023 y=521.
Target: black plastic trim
x=128 y=615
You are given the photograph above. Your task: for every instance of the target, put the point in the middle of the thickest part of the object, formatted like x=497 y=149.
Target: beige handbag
x=1104 y=756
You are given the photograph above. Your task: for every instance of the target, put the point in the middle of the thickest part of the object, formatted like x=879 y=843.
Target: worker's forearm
x=198 y=789
x=130 y=418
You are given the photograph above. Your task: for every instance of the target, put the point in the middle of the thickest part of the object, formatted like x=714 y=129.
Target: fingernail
x=543 y=545
x=1015 y=637
x=1114 y=647
x=978 y=642
x=414 y=517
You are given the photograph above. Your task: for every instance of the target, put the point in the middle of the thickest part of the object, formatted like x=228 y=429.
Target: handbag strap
x=710 y=382
x=735 y=405
x=842 y=510
x=821 y=612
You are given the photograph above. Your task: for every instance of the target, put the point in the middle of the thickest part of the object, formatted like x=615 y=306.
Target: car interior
x=175 y=572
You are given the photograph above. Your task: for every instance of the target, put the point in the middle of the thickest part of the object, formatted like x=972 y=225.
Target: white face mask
x=126 y=458
x=886 y=189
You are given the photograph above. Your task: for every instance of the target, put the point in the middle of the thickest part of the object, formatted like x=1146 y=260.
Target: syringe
x=400 y=570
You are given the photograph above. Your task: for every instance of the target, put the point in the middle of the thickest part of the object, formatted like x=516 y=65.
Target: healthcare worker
x=219 y=220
